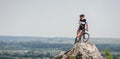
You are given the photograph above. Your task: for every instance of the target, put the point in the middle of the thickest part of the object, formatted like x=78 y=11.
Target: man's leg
x=83 y=31
x=78 y=34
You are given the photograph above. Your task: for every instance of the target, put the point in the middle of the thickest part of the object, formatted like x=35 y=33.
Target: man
x=82 y=24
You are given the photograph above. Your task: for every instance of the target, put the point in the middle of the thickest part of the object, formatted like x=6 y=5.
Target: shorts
x=81 y=28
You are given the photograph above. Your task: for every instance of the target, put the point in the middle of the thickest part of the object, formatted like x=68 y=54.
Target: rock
x=81 y=51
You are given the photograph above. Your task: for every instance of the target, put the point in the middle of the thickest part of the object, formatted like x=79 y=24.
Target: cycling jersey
x=82 y=24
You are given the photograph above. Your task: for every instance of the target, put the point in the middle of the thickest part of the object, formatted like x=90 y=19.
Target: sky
x=59 y=18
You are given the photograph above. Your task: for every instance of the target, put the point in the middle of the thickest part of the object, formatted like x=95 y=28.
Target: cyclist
x=82 y=24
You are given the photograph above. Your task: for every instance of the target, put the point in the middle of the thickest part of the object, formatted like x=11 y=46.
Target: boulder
x=81 y=51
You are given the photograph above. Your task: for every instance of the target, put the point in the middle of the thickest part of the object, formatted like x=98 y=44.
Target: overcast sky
x=59 y=18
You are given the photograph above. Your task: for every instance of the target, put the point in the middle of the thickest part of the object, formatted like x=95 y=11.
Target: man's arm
x=87 y=26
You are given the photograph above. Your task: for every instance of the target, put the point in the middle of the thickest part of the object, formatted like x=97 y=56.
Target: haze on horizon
x=59 y=18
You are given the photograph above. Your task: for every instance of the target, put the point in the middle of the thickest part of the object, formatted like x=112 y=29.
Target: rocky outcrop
x=80 y=51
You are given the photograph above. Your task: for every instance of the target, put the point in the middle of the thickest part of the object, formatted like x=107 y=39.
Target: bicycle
x=83 y=36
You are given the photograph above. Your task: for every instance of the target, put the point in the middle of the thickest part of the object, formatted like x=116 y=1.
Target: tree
x=107 y=54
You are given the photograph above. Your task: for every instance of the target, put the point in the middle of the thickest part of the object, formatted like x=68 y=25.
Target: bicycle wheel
x=85 y=37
